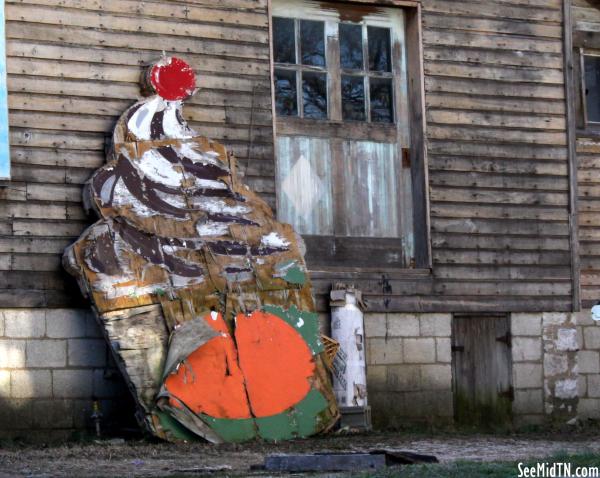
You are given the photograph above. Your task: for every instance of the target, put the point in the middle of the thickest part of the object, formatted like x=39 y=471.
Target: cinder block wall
x=528 y=368
x=588 y=333
x=409 y=368
x=544 y=354
x=52 y=361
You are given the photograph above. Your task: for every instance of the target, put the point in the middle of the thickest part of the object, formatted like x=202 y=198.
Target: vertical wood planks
x=304 y=183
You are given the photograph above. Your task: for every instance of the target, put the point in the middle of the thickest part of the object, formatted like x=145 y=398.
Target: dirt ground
x=143 y=459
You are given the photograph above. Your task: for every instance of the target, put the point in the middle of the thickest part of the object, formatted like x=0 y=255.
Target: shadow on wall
x=52 y=363
x=56 y=420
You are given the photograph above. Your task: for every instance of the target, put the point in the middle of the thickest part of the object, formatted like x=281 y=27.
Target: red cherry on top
x=173 y=79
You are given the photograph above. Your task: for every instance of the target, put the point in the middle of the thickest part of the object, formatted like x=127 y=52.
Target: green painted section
x=282 y=426
x=295 y=275
x=308 y=412
x=306 y=323
x=231 y=430
x=293 y=272
x=300 y=421
x=174 y=428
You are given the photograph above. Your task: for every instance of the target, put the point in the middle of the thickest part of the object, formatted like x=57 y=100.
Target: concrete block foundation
x=53 y=361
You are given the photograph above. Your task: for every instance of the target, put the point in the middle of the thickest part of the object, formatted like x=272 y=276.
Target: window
x=4 y=148
x=591 y=91
x=348 y=110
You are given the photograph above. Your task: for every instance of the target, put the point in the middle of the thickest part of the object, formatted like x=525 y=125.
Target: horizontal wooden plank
x=505 y=120
x=494 y=10
x=104 y=125
x=257 y=100
x=497 y=196
x=32 y=280
x=511 y=289
x=517 y=74
x=491 y=25
x=104 y=55
x=494 y=149
x=494 y=104
x=505 y=212
x=453 y=222
x=32 y=262
x=483 y=134
x=54 y=139
x=114 y=108
x=493 y=57
x=502 y=272
x=49 y=174
x=118 y=73
x=47 y=228
x=475 y=258
x=41 y=298
x=496 y=165
x=502 y=180
x=235 y=14
x=469 y=240
x=81 y=36
x=33 y=245
x=106 y=21
x=452 y=39
x=57 y=157
x=491 y=87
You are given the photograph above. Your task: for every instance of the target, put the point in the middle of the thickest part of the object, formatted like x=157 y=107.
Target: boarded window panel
x=286 y=95
x=353 y=98
x=592 y=88
x=304 y=175
x=351 y=46
x=314 y=94
x=4 y=147
x=284 y=40
x=370 y=183
x=312 y=42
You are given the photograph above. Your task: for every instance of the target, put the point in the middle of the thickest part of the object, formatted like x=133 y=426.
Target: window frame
x=584 y=44
x=416 y=155
x=4 y=127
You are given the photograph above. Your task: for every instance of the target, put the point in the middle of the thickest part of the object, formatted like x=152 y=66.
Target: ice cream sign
x=203 y=295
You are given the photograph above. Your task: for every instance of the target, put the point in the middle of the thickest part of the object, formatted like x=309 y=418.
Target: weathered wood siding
x=73 y=68
x=497 y=153
x=586 y=18
x=498 y=169
x=495 y=136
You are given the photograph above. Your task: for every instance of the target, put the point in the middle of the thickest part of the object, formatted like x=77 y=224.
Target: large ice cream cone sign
x=203 y=295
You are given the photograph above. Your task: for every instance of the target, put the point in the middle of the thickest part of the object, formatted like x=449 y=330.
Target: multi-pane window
x=359 y=70
x=344 y=175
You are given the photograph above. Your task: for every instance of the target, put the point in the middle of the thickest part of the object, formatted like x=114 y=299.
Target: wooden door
x=482 y=370
x=343 y=168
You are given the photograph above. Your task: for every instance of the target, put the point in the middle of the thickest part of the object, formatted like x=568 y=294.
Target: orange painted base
x=263 y=372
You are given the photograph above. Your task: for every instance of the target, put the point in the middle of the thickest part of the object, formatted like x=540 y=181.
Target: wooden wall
x=73 y=68
x=586 y=18
x=498 y=170
x=495 y=137
x=497 y=152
